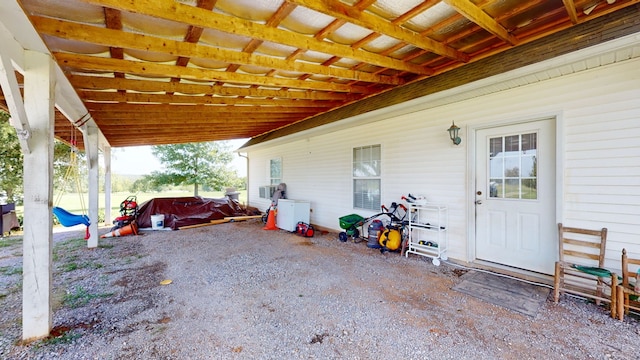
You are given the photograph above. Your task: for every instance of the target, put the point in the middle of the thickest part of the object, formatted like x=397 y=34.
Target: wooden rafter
x=273 y=69
x=113 y=20
x=482 y=19
x=85 y=62
x=348 y=13
x=104 y=83
x=283 y=11
x=160 y=119
x=102 y=96
x=113 y=108
x=185 y=50
x=171 y=10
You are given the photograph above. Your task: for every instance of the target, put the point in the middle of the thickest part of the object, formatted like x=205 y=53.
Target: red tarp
x=185 y=211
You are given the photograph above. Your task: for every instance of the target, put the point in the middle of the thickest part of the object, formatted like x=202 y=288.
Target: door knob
x=478 y=202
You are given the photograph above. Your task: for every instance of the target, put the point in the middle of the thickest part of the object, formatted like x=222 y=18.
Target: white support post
x=91 y=148
x=39 y=82
x=107 y=184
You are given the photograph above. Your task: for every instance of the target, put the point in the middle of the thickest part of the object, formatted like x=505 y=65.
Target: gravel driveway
x=240 y=292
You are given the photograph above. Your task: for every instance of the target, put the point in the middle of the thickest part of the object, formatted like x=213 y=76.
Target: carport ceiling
x=163 y=71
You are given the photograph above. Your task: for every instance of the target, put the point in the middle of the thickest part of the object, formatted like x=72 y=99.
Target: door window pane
x=513 y=167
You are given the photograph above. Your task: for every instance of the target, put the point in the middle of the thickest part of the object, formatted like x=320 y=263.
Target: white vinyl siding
x=598 y=117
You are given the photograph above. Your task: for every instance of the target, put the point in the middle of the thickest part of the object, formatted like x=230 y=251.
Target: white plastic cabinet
x=290 y=212
x=428 y=231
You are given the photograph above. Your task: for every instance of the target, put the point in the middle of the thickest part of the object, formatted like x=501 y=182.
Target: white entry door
x=515 y=196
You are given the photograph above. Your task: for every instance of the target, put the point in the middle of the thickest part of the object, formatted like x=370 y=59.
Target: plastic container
x=157 y=222
x=232 y=194
x=374 y=230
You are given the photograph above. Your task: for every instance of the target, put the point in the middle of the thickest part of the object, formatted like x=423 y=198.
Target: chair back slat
x=580 y=249
x=582 y=244
x=628 y=287
x=582 y=255
x=629 y=272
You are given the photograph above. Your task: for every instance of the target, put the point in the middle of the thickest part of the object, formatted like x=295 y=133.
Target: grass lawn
x=72 y=202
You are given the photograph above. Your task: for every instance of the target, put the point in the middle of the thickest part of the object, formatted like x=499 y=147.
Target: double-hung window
x=367 y=177
x=275 y=171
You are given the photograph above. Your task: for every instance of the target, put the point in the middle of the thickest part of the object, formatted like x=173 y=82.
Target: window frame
x=366 y=162
x=275 y=180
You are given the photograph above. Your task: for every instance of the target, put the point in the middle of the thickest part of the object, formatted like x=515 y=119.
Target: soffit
x=162 y=71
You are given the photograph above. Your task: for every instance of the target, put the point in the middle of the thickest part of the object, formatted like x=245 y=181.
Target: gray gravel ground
x=241 y=292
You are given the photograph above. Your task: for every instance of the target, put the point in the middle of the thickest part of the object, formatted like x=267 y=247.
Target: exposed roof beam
x=104 y=96
x=86 y=62
x=133 y=138
x=425 y=5
x=121 y=39
x=227 y=125
x=175 y=11
x=196 y=122
x=104 y=83
x=194 y=32
x=211 y=110
x=351 y=14
x=571 y=10
x=283 y=11
x=482 y=19
x=113 y=20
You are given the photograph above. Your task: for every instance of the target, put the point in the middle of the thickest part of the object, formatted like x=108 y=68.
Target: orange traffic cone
x=123 y=231
x=271 y=220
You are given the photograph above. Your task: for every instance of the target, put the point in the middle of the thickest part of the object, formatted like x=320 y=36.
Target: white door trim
x=471 y=131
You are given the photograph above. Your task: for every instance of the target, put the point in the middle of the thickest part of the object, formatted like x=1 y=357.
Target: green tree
x=194 y=164
x=10 y=160
x=11 y=164
x=75 y=170
x=147 y=183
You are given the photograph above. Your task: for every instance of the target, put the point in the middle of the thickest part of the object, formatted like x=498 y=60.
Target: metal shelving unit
x=428 y=232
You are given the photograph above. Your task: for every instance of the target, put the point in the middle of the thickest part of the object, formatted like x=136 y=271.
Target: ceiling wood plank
x=97 y=108
x=122 y=39
x=195 y=117
x=93 y=63
x=482 y=19
x=229 y=126
x=103 y=96
x=372 y=22
x=209 y=134
x=104 y=83
x=195 y=122
x=209 y=115
x=133 y=138
x=175 y=11
x=168 y=121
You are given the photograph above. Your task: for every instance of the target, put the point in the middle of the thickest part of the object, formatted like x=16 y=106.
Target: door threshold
x=521 y=274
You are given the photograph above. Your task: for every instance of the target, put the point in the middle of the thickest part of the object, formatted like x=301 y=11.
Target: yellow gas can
x=391 y=239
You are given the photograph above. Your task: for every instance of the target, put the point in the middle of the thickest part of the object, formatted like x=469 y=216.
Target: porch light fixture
x=453 y=134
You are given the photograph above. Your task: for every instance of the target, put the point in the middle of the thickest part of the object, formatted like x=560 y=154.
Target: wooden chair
x=626 y=290
x=580 y=268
